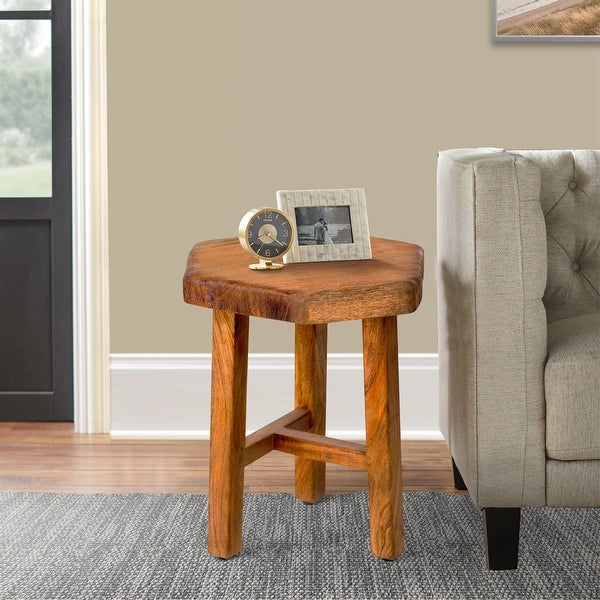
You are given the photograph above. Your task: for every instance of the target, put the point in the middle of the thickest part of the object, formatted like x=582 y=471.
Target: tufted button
x=572 y=185
x=575 y=266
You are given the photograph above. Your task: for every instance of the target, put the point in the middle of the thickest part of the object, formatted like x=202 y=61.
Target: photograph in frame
x=546 y=20
x=330 y=224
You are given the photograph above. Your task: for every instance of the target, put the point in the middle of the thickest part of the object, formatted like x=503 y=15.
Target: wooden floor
x=52 y=458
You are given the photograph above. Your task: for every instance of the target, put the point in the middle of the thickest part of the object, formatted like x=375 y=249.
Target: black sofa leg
x=502 y=537
x=459 y=483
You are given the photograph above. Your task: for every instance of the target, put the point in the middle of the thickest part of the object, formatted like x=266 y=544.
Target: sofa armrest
x=492 y=323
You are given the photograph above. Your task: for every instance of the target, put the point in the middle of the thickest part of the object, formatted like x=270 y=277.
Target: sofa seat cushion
x=572 y=382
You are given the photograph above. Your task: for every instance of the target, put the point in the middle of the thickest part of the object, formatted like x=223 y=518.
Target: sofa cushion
x=570 y=198
x=572 y=388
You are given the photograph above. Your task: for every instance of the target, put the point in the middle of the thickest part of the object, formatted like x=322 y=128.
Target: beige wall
x=216 y=104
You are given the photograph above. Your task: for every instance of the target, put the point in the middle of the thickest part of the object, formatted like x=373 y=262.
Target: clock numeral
x=267 y=253
x=286 y=233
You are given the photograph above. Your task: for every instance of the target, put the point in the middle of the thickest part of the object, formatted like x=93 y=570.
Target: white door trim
x=91 y=359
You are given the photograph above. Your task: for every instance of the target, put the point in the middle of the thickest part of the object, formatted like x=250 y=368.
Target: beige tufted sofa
x=519 y=331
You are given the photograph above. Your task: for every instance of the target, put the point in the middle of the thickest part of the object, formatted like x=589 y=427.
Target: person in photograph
x=327 y=238
x=319 y=231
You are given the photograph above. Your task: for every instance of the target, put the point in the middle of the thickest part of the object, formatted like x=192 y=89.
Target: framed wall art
x=330 y=224
x=546 y=20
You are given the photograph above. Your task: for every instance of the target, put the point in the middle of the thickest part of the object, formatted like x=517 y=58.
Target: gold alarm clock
x=268 y=234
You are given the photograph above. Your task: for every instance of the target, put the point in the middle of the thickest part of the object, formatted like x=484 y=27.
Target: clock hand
x=275 y=239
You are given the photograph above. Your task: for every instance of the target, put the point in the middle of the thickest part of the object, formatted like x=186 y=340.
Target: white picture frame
x=541 y=21
x=330 y=225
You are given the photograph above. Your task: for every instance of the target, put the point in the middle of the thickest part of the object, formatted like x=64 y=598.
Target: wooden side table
x=309 y=295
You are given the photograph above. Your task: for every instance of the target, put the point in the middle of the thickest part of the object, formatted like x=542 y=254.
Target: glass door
x=35 y=211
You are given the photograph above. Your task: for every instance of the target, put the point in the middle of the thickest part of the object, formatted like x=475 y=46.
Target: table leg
x=227 y=432
x=310 y=393
x=380 y=348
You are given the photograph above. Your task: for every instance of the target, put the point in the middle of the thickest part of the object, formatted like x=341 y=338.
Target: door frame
x=91 y=332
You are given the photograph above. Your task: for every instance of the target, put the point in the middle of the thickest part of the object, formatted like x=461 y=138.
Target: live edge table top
x=217 y=276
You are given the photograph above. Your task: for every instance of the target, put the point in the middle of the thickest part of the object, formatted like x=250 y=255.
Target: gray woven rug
x=153 y=546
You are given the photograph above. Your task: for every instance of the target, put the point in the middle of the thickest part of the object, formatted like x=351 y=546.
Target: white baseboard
x=167 y=396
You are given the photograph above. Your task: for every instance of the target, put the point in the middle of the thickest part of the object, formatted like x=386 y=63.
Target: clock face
x=267 y=233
